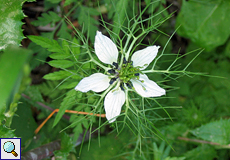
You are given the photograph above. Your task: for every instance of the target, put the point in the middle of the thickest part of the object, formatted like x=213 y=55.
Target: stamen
x=124 y=61
x=112 y=80
x=129 y=85
x=111 y=71
x=115 y=65
x=144 y=88
x=137 y=74
x=131 y=63
x=121 y=86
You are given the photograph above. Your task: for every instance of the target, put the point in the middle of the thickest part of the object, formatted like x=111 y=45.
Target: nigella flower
x=127 y=75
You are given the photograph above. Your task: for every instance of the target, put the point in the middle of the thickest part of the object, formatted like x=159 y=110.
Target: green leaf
x=11 y=64
x=119 y=17
x=205 y=23
x=59 y=56
x=68 y=2
x=64 y=32
x=65 y=54
x=34 y=93
x=110 y=147
x=75 y=48
x=68 y=85
x=40 y=56
x=67 y=102
x=204 y=152
x=10 y=22
x=88 y=23
x=47 y=18
x=66 y=143
x=175 y=158
x=59 y=75
x=51 y=45
x=6 y=132
x=217 y=132
x=24 y=123
x=61 y=63
x=54 y=1
x=66 y=147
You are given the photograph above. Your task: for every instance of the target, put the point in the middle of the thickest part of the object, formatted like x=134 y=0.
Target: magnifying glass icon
x=9 y=147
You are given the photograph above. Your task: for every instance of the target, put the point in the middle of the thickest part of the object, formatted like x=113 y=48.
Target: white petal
x=113 y=103
x=105 y=49
x=148 y=88
x=144 y=57
x=97 y=82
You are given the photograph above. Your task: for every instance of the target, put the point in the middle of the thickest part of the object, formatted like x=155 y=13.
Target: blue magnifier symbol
x=9 y=147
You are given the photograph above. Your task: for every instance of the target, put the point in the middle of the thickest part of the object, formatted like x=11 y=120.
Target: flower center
x=124 y=73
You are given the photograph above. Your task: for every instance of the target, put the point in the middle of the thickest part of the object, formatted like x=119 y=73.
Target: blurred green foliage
x=204 y=116
x=205 y=22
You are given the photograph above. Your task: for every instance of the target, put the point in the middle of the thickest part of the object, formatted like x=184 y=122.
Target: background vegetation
x=34 y=79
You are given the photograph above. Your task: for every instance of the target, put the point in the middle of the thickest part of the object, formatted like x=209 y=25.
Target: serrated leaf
x=39 y=57
x=217 y=132
x=65 y=47
x=66 y=143
x=10 y=22
x=65 y=54
x=205 y=23
x=50 y=45
x=47 y=18
x=68 y=85
x=77 y=131
x=61 y=63
x=64 y=32
x=75 y=48
x=67 y=102
x=59 y=56
x=59 y=75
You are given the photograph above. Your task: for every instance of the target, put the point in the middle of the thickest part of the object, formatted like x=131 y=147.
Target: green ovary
x=128 y=72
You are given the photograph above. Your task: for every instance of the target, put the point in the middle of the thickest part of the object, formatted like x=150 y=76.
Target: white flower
x=127 y=75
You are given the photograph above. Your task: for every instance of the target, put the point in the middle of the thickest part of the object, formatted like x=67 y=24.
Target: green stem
x=99 y=64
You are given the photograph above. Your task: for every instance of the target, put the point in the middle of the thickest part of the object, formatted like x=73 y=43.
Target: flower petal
x=144 y=57
x=105 y=49
x=148 y=88
x=114 y=100
x=97 y=82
